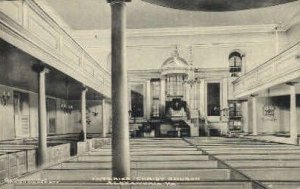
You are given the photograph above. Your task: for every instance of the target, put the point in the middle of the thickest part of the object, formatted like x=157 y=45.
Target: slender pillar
x=42 y=142
x=83 y=112
x=202 y=97
x=254 y=115
x=129 y=98
x=293 y=114
x=245 y=116
x=148 y=99
x=225 y=93
x=104 y=122
x=162 y=96
x=120 y=126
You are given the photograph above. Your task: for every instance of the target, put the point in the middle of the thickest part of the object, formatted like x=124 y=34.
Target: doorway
x=21 y=114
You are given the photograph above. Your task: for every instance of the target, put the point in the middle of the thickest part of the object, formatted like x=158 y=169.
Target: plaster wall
x=65 y=123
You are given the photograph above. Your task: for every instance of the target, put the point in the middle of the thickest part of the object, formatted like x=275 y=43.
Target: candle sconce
x=4 y=98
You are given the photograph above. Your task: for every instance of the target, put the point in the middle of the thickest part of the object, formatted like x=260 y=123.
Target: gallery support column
x=202 y=97
x=148 y=99
x=42 y=142
x=254 y=115
x=83 y=112
x=245 y=116
x=120 y=126
x=104 y=122
x=293 y=113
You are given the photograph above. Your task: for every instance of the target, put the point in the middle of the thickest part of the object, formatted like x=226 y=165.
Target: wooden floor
x=204 y=163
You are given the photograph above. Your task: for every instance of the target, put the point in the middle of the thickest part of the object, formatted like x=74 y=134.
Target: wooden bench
x=140 y=165
x=16 y=162
x=88 y=174
x=3 y=167
x=261 y=163
x=186 y=185
x=144 y=158
x=273 y=174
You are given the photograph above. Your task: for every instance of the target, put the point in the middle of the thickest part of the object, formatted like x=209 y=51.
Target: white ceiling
x=95 y=15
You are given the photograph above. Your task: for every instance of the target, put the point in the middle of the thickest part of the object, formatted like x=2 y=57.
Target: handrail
x=266 y=62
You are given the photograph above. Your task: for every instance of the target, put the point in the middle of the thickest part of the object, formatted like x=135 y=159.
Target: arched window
x=235 y=63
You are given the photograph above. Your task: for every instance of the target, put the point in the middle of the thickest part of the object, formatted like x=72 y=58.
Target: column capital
x=40 y=68
x=291 y=83
x=84 y=88
x=118 y=1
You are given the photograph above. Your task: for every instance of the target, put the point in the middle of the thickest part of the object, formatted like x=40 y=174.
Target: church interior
x=135 y=94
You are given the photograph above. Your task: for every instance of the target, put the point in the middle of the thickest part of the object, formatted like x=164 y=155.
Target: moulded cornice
x=178 y=31
x=52 y=14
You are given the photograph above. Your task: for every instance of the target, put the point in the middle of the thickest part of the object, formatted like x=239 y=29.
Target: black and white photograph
x=149 y=94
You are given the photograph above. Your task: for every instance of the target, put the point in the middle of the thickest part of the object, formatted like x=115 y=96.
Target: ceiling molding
x=53 y=14
x=178 y=31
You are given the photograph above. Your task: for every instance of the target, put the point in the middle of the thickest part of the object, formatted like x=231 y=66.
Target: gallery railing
x=280 y=69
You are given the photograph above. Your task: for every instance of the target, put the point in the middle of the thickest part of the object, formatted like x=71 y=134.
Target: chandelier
x=66 y=107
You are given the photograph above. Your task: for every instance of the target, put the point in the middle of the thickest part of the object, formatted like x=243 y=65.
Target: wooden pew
x=3 y=166
x=140 y=165
x=16 y=162
x=204 y=174
x=144 y=158
x=179 y=185
x=273 y=174
x=262 y=163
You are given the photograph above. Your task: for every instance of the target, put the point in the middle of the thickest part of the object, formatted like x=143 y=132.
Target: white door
x=21 y=114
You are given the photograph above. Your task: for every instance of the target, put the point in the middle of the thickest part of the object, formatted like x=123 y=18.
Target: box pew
x=3 y=166
x=263 y=163
x=16 y=162
x=105 y=158
x=205 y=174
x=140 y=165
x=146 y=152
x=255 y=151
x=258 y=156
x=179 y=185
x=59 y=153
x=273 y=173
x=283 y=184
x=30 y=152
x=84 y=146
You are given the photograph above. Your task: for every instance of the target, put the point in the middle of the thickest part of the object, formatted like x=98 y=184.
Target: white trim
x=178 y=31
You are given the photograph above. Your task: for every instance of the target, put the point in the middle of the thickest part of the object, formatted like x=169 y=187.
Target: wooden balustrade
x=27 y=26
x=279 y=69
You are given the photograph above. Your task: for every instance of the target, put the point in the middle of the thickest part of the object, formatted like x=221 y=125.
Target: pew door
x=21 y=114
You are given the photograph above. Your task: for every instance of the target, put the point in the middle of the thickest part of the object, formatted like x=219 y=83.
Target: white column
x=129 y=97
x=162 y=96
x=245 y=116
x=202 y=97
x=225 y=93
x=293 y=114
x=83 y=111
x=120 y=126
x=148 y=99
x=104 y=119
x=42 y=113
x=254 y=115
